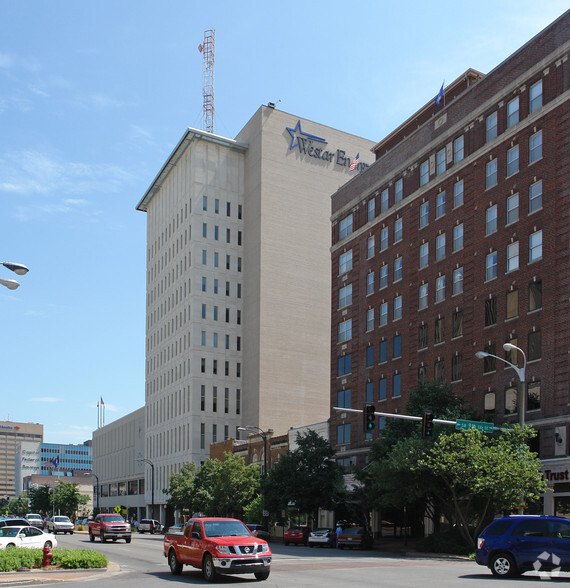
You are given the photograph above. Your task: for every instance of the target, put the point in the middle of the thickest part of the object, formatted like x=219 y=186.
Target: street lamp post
x=521 y=373
x=18 y=268
x=263 y=434
x=151 y=481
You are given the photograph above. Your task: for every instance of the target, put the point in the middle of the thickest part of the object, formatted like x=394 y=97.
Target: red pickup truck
x=217 y=546
x=109 y=526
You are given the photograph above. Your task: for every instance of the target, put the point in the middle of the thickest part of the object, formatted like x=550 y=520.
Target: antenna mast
x=207 y=49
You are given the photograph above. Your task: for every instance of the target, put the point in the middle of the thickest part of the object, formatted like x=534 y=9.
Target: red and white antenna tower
x=207 y=49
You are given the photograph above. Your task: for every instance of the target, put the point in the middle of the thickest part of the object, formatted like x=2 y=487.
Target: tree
x=308 y=477
x=485 y=473
x=40 y=499
x=67 y=498
x=181 y=488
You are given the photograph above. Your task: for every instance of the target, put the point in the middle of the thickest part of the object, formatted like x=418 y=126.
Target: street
x=142 y=562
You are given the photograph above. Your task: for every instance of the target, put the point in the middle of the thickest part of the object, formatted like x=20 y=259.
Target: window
x=384 y=239
x=458 y=194
x=440 y=162
x=457 y=237
x=440 y=205
x=343 y=398
x=216 y=259
x=457 y=281
x=534 y=345
x=422 y=336
x=422 y=373
x=369 y=392
x=424 y=255
x=535 y=246
x=226 y=400
x=228 y=235
x=370 y=356
x=383 y=352
x=398 y=231
x=397 y=308
x=424 y=214
x=398 y=269
x=228 y=262
x=345 y=331
x=457 y=324
x=424 y=173
x=215 y=399
x=202 y=397
x=370 y=283
x=533 y=397
x=344 y=364
x=535 y=197
x=440 y=288
x=371 y=209
x=439 y=371
x=512 y=304
x=383 y=276
x=204 y=257
x=396 y=385
x=370 y=319
x=202 y=435
x=382 y=389
x=491 y=311
x=204 y=284
x=214 y=366
x=511 y=355
x=345 y=227
x=203 y=311
x=440 y=247
x=458 y=149
x=204 y=203
x=398 y=191
x=491 y=174
x=345 y=262
x=215 y=313
x=439 y=330
x=345 y=296
x=491 y=220
x=397 y=346
x=343 y=433
x=535 y=295
x=489 y=402
x=512 y=209
x=423 y=296
x=203 y=339
x=535 y=147
x=513 y=256
x=491 y=127
x=384 y=201
x=489 y=362
x=513 y=112
x=204 y=230
x=491 y=266
x=370 y=247
x=456 y=368
x=216 y=233
x=383 y=314
x=513 y=160
x=511 y=396
x=535 y=96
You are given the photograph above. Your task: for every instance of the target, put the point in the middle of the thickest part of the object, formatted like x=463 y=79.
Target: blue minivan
x=515 y=544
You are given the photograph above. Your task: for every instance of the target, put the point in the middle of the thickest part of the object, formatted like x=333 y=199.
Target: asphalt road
x=142 y=564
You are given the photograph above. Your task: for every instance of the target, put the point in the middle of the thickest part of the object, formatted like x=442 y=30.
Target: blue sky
x=93 y=97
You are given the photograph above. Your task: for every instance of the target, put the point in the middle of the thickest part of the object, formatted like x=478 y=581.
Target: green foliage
x=308 y=477
x=18 y=506
x=67 y=498
x=253 y=512
x=181 y=488
x=448 y=542
x=40 y=499
x=14 y=558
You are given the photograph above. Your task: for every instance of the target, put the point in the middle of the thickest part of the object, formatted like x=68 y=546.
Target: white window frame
x=491 y=266
x=491 y=126
x=440 y=247
x=424 y=172
x=535 y=96
x=398 y=230
x=370 y=283
x=370 y=247
x=512 y=112
x=457 y=237
x=345 y=227
x=370 y=319
x=345 y=296
x=384 y=200
x=491 y=220
x=397 y=308
x=384 y=239
x=398 y=191
x=345 y=262
x=512 y=256
x=458 y=280
x=440 y=204
x=383 y=319
x=491 y=174
x=458 y=194
x=423 y=296
x=371 y=209
x=513 y=160
x=383 y=277
x=345 y=331
x=440 y=163
x=535 y=197
x=424 y=255
x=424 y=214
x=398 y=268
x=535 y=147
x=535 y=246
x=512 y=209
x=458 y=149
x=440 y=288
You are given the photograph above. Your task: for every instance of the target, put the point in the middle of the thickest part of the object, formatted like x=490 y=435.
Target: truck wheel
x=128 y=539
x=102 y=536
x=208 y=569
x=71 y=532
x=91 y=537
x=261 y=575
x=175 y=565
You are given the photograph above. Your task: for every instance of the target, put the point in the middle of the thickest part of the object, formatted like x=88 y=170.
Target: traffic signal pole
x=396 y=416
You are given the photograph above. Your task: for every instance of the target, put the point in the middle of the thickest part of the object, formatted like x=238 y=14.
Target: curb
x=42 y=576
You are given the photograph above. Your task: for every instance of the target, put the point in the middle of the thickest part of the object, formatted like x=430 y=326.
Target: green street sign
x=465 y=425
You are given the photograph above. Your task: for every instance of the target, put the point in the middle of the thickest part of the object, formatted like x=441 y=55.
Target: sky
x=95 y=94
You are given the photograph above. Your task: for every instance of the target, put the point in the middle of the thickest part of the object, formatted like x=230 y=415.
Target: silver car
x=60 y=524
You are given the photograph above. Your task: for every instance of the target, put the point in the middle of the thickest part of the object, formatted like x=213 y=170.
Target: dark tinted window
x=560 y=529
x=530 y=528
x=498 y=528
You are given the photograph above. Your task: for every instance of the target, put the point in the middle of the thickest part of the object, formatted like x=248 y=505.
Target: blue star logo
x=297 y=131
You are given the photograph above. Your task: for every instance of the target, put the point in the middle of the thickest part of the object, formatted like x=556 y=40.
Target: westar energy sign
x=317 y=147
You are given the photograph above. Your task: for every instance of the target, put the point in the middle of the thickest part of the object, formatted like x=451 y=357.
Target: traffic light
x=369 y=417
x=427 y=423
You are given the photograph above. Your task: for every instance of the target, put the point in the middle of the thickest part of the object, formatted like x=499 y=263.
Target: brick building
x=456 y=240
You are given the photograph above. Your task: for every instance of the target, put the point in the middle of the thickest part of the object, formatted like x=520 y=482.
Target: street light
x=151 y=480
x=263 y=434
x=18 y=268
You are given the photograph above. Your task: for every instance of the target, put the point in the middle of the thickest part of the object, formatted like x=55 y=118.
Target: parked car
x=357 y=537
x=13 y=522
x=173 y=529
x=59 y=524
x=258 y=531
x=149 y=526
x=323 y=536
x=27 y=536
x=515 y=544
x=109 y=526
x=35 y=520
x=296 y=535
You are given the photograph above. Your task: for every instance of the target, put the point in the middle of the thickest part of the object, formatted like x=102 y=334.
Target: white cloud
x=48 y=399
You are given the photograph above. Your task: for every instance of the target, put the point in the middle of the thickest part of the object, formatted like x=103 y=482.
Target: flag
x=354 y=162
x=102 y=403
x=55 y=461
x=440 y=96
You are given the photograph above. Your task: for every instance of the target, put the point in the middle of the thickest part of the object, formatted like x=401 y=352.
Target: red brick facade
x=528 y=94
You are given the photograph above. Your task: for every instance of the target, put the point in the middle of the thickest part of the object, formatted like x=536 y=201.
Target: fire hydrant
x=47 y=556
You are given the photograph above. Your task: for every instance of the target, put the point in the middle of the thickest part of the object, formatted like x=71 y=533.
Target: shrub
x=14 y=558
x=447 y=542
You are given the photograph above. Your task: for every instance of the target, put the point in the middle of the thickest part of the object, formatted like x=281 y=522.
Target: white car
x=31 y=537
x=59 y=524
